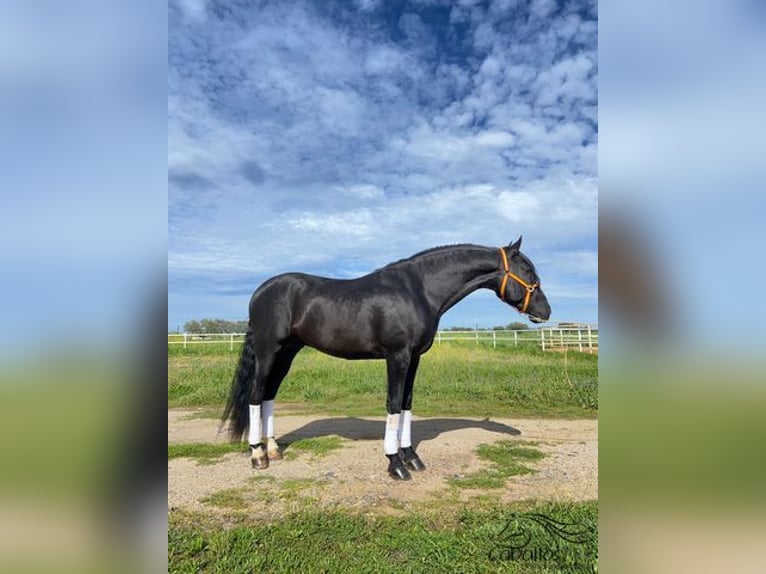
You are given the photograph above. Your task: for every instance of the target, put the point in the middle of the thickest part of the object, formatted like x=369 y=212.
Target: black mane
x=440 y=248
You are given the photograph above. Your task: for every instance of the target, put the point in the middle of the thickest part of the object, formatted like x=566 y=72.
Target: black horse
x=392 y=313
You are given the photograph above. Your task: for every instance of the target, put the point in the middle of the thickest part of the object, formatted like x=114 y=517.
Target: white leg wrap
x=268 y=418
x=405 y=436
x=255 y=436
x=391 y=439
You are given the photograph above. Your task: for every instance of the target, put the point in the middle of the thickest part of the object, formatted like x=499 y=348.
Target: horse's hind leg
x=264 y=359
x=279 y=369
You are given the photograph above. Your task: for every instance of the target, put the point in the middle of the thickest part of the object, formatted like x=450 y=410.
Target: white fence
x=584 y=338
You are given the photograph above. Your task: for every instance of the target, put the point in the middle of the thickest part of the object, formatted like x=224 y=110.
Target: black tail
x=238 y=405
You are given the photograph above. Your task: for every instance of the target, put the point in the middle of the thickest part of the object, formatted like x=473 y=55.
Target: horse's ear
x=514 y=247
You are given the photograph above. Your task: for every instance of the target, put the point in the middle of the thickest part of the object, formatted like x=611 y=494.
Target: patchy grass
x=507 y=458
x=455 y=379
x=291 y=489
x=317 y=446
x=204 y=453
x=265 y=478
x=232 y=498
x=204 y=413
x=210 y=453
x=461 y=539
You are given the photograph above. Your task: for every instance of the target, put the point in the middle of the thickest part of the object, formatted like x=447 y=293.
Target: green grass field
x=454 y=379
x=475 y=539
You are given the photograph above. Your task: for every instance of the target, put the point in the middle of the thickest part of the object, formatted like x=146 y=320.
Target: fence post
x=477 y=336
x=231 y=342
x=494 y=339
x=579 y=338
x=590 y=340
x=542 y=338
x=184 y=340
x=515 y=338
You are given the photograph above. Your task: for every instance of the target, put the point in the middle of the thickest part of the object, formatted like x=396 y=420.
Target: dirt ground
x=354 y=476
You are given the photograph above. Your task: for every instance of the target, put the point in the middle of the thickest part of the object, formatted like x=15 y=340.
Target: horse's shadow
x=363 y=429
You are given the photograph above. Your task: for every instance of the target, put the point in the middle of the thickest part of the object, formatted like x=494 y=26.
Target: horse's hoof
x=260 y=463
x=275 y=455
x=411 y=459
x=272 y=449
x=258 y=457
x=415 y=464
x=396 y=468
x=399 y=473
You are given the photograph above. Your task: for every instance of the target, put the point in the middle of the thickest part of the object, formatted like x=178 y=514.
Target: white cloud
x=193 y=9
x=341 y=110
x=567 y=78
x=383 y=60
x=368 y=5
x=542 y=8
x=365 y=192
x=358 y=223
x=494 y=139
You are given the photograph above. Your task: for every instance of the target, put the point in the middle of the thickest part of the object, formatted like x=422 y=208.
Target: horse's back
x=351 y=318
x=293 y=295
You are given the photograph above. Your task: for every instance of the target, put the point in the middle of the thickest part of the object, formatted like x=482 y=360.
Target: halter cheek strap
x=506 y=274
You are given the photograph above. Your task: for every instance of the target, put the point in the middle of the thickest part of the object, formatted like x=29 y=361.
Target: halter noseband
x=507 y=273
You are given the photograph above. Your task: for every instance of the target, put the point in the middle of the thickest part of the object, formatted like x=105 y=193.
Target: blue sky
x=335 y=137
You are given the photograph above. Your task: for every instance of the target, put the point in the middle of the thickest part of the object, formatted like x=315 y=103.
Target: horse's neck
x=452 y=279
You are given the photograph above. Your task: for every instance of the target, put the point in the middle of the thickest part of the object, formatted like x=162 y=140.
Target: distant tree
x=516 y=326
x=215 y=326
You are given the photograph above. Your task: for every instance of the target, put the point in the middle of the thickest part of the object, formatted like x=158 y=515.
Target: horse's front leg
x=397 y=365
x=406 y=451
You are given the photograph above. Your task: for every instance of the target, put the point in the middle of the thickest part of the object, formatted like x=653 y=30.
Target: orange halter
x=507 y=273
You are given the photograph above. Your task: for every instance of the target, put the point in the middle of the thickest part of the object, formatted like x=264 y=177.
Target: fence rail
x=584 y=338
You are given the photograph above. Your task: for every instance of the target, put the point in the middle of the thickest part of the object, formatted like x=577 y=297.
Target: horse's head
x=519 y=285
